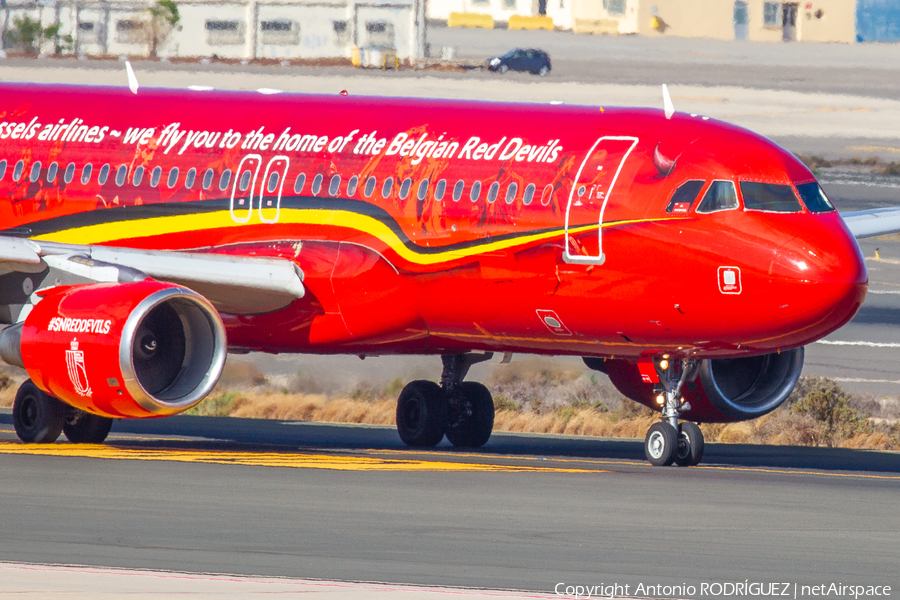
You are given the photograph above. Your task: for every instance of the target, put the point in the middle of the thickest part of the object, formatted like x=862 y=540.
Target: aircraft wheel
x=421 y=414
x=660 y=444
x=690 y=445
x=473 y=428
x=84 y=428
x=37 y=417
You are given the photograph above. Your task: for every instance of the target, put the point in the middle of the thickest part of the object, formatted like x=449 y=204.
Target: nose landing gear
x=669 y=441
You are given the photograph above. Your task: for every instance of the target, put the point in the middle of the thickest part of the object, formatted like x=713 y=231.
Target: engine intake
x=724 y=390
x=142 y=349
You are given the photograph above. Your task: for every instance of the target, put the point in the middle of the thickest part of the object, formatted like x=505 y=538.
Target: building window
x=341 y=33
x=87 y=32
x=614 y=8
x=481 y=2
x=224 y=33
x=280 y=32
x=380 y=33
x=772 y=14
x=129 y=31
x=509 y=4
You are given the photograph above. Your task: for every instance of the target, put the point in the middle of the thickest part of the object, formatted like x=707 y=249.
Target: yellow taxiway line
x=268 y=459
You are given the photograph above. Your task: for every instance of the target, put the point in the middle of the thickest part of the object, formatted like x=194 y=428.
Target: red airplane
x=146 y=234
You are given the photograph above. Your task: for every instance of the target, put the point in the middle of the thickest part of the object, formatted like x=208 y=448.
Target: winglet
x=667 y=103
x=132 y=80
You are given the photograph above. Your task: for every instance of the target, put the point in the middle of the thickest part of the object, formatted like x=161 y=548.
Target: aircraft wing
x=234 y=284
x=875 y=221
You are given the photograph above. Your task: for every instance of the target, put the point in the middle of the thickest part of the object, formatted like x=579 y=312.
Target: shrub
x=835 y=416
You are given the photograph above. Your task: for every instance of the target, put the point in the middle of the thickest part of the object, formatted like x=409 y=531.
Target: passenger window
x=458 y=190
x=155 y=176
x=104 y=174
x=404 y=188
x=511 y=192
x=2 y=168
x=769 y=197
x=70 y=173
x=189 y=180
x=547 y=195
x=351 y=185
x=334 y=186
x=273 y=183
x=138 y=176
x=224 y=179
x=439 y=190
x=317 y=184
x=493 y=191
x=17 y=172
x=387 y=187
x=51 y=172
x=299 y=183
x=813 y=197
x=423 y=190
x=684 y=196
x=371 y=182
x=529 y=194
x=245 y=180
x=208 y=179
x=173 y=177
x=475 y=192
x=120 y=175
x=86 y=174
x=721 y=195
x=35 y=171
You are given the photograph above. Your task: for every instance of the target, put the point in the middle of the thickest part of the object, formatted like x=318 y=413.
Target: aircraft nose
x=828 y=275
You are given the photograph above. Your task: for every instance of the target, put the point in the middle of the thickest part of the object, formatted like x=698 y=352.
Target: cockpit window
x=721 y=195
x=769 y=196
x=684 y=196
x=814 y=198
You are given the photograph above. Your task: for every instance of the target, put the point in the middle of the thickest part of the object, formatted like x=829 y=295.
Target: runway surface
x=349 y=503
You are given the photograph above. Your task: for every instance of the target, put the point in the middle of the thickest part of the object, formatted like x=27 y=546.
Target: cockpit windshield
x=721 y=195
x=769 y=196
x=814 y=197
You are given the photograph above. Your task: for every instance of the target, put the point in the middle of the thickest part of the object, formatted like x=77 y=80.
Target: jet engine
x=723 y=390
x=143 y=349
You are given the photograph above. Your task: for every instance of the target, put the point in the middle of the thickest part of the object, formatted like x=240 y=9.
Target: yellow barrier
x=458 y=19
x=529 y=22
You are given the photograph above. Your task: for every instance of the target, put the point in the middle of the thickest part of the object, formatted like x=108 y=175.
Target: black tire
x=544 y=71
x=503 y=69
x=660 y=444
x=473 y=429
x=690 y=445
x=421 y=414
x=84 y=428
x=37 y=417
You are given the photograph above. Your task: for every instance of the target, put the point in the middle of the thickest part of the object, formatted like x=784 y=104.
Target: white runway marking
x=861 y=380
x=24 y=580
x=884 y=291
x=869 y=344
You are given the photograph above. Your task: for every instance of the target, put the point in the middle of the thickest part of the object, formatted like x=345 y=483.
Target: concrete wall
x=239 y=29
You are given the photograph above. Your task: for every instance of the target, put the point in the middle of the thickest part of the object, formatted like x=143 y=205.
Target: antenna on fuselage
x=667 y=103
x=132 y=80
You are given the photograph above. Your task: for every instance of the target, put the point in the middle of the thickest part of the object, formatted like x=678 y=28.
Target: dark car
x=531 y=60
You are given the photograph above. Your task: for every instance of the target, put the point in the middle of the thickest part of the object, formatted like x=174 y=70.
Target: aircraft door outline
x=263 y=188
x=593 y=191
x=239 y=174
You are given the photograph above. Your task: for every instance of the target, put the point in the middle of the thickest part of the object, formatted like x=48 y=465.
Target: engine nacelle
x=145 y=349
x=724 y=390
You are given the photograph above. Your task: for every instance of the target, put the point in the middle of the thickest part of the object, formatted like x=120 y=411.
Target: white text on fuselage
x=67 y=325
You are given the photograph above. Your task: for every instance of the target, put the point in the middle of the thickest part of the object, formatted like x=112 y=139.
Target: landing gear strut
x=669 y=441
x=463 y=410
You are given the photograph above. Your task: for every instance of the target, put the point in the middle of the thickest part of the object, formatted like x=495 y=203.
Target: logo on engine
x=77 y=372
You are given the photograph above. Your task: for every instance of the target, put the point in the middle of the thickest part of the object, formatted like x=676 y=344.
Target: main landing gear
x=669 y=441
x=39 y=419
x=461 y=410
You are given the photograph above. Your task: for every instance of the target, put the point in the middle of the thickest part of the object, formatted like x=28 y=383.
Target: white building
x=238 y=29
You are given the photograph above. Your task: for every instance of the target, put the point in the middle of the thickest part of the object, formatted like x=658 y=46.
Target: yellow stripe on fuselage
x=104 y=233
